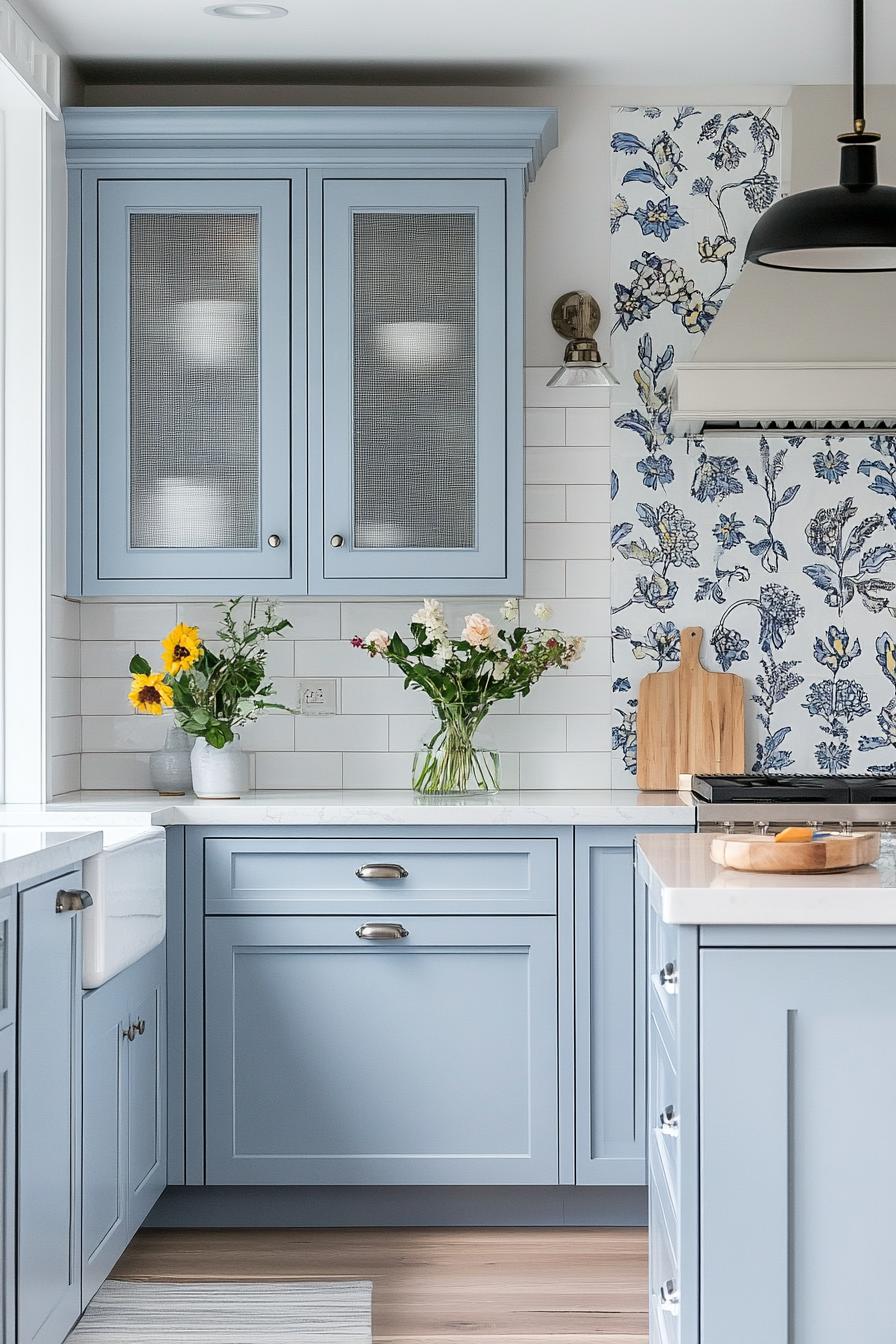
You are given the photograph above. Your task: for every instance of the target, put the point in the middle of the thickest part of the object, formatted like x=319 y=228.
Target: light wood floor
x=500 y=1285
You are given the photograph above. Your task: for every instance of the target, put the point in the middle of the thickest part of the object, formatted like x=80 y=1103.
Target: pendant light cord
x=858 y=65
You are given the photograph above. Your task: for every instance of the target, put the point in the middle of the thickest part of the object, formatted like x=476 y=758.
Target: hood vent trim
x=805 y=428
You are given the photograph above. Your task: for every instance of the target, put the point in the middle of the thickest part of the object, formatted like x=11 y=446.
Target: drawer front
x=429 y=1059
x=407 y=875
x=664 y=1273
x=665 y=1114
x=663 y=967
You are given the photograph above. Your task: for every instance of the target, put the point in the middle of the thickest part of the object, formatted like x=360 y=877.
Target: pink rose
x=478 y=631
x=377 y=641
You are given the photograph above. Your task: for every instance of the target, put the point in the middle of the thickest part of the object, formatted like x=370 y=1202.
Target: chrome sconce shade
x=576 y=317
x=848 y=227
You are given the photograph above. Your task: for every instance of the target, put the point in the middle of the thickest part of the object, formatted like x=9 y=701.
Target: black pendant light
x=850 y=227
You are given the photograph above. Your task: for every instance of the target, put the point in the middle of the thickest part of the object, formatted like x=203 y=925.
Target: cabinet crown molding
x=515 y=136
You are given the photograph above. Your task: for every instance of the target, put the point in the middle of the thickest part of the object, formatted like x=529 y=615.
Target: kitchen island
x=771 y=1096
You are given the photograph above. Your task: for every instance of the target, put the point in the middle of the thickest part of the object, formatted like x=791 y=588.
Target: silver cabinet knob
x=668 y=977
x=129 y=1032
x=381 y=933
x=141 y=1026
x=376 y=872
x=668 y=1122
x=670 y=1297
x=337 y=540
x=72 y=902
x=273 y=540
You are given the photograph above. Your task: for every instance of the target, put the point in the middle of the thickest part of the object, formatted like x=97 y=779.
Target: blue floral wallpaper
x=783 y=549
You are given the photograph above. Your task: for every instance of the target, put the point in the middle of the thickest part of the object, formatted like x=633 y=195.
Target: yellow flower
x=149 y=694
x=180 y=649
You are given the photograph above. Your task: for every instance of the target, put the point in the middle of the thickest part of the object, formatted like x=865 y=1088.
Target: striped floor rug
x=227 y=1313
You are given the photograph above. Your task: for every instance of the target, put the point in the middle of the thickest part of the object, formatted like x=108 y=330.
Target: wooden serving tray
x=761 y=853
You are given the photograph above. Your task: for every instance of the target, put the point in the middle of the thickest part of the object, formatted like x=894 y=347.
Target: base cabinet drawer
x=339 y=1052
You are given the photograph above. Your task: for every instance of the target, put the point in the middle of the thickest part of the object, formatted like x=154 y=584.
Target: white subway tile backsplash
x=336 y=658
x=587 y=503
x=110 y=657
x=586 y=426
x=105 y=695
x=342 y=732
x=127 y=620
x=545 y=503
x=566 y=541
x=126 y=732
x=557 y=737
x=65 y=618
x=114 y=770
x=568 y=466
x=587 y=578
x=545 y=577
x=565 y=770
x=65 y=774
x=376 y=769
x=546 y=427
x=298 y=770
x=568 y=695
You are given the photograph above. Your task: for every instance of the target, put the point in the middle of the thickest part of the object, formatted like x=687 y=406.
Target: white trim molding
x=29 y=58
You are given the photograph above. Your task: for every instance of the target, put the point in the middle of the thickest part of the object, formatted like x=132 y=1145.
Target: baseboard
x=401 y=1206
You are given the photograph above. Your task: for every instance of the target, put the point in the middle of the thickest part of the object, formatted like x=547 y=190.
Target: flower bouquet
x=463 y=678
x=212 y=693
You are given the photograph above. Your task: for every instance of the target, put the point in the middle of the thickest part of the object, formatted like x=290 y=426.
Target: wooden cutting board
x=761 y=854
x=690 y=721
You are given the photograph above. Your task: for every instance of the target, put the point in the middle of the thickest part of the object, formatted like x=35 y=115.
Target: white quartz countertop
x=585 y=807
x=29 y=853
x=688 y=888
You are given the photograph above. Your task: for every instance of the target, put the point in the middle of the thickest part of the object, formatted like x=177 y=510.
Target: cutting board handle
x=691 y=639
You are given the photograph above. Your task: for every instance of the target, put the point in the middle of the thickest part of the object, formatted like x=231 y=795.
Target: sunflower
x=149 y=694
x=180 y=649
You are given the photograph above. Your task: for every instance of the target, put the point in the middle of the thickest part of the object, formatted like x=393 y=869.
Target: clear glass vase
x=457 y=757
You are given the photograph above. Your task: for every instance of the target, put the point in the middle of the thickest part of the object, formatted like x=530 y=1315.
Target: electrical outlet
x=318 y=697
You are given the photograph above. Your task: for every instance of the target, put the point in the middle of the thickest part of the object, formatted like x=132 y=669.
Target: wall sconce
x=576 y=317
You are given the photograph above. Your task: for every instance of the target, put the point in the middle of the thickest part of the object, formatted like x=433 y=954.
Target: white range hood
x=794 y=352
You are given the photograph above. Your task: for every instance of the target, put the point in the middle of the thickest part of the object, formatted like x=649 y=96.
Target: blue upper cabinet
x=416 y=368
x=296 y=345
x=186 y=469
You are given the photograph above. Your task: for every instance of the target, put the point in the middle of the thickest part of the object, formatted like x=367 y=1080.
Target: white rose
x=478 y=630
x=499 y=671
x=379 y=639
x=542 y=611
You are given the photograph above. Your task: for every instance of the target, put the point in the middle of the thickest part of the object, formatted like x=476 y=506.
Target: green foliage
x=223 y=690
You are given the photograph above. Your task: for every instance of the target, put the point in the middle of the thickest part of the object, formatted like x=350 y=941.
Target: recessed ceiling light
x=247 y=11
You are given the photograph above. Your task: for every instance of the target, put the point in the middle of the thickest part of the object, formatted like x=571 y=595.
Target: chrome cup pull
x=668 y=1122
x=668 y=977
x=381 y=933
x=376 y=872
x=670 y=1297
x=71 y=902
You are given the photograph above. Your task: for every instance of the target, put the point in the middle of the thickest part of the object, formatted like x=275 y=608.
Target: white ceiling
x=602 y=41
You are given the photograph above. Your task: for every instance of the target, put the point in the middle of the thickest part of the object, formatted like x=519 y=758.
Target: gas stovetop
x=794 y=789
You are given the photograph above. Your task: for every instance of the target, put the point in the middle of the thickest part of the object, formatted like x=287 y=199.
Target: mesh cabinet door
x=414 y=379
x=194 y=387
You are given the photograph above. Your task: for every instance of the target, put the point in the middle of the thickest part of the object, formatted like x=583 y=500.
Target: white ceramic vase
x=219 y=772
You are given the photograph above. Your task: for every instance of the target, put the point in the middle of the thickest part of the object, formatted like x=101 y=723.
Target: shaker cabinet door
x=334 y=1059
x=104 y=1216
x=798 y=1094
x=409 y=359
x=147 y=1097
x=187 y=437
